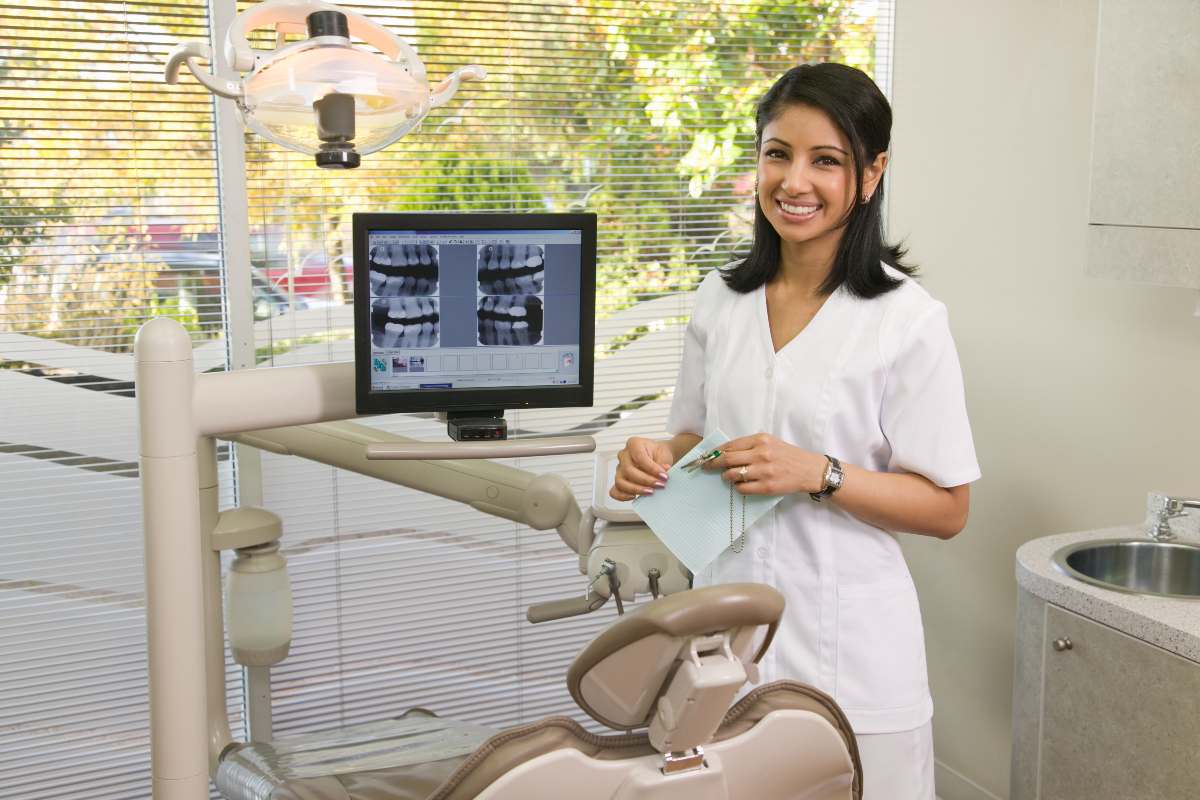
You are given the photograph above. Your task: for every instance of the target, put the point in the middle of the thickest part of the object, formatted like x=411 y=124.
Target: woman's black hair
x=859 y=109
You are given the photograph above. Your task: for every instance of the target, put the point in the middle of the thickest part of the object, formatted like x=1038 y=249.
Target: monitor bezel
x=368 y=401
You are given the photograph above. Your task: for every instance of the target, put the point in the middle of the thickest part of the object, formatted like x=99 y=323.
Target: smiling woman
x=844 y=396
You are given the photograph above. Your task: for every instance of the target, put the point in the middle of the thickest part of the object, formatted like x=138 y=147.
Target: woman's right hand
x=641 y=468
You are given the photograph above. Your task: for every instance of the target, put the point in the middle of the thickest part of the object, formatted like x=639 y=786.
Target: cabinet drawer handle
x=1062 y=644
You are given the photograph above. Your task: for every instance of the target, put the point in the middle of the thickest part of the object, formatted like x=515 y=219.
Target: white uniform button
x=770 y=372
x=763 y=552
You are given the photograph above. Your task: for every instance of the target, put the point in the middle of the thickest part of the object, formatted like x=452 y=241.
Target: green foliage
x=92 y=297
x=455 y=181
x=177 y=309
x=278 y=347
x=660 y=123
x=23 y=215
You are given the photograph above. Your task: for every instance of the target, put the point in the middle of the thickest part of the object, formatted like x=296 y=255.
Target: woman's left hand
x=762 y=464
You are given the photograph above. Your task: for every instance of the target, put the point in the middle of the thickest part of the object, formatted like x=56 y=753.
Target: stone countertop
x=1172 y=624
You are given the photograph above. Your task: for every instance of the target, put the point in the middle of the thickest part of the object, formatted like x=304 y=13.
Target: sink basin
x=1137 y=566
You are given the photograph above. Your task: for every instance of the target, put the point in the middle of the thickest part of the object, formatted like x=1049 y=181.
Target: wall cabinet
x=1100 y=715
x=1144 y=217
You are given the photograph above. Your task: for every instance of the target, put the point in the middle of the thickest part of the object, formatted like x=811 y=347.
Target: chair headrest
x=619 y=676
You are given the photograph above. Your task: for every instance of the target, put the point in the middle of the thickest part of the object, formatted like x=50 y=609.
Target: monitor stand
x=476 y=425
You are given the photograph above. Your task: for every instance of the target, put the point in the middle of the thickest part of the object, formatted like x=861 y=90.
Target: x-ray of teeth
x=404 y=270
x=511 y=269
x=510 y=320
x=405 y=322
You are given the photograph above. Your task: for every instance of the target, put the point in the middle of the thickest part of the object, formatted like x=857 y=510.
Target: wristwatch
x=831 y=481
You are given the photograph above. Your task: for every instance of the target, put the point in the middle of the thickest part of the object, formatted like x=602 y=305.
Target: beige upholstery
x=465 y=778
x=401 y=783
x=402 y=759
x=619 y=676
x=783 y=695
x=505 y=750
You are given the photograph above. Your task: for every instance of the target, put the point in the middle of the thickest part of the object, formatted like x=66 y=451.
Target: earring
x=866 y=200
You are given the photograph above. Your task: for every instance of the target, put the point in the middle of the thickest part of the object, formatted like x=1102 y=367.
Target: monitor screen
x=462 y=312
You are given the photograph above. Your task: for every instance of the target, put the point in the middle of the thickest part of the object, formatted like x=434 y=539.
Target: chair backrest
x=620 y=675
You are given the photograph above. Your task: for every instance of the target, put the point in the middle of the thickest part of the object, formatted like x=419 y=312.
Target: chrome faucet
x=1162 y=509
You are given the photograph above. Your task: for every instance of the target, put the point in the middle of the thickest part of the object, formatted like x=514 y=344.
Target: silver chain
x=740 y=542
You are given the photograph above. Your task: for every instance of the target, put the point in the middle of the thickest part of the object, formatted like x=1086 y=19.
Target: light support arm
x=175 y=633
x=219 y=735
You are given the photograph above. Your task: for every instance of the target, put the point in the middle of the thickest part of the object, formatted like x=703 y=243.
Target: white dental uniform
x=875 y=383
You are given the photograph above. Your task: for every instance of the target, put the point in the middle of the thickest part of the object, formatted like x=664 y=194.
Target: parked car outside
x=193 y=278
x=310 y=279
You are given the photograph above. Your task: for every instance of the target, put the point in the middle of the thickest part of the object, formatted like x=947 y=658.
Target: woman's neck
x=804 y=266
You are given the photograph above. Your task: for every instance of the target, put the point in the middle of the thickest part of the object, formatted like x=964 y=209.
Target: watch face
x=831 y=480
x=833 y=475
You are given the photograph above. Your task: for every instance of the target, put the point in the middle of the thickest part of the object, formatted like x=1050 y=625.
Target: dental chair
x=665 y=675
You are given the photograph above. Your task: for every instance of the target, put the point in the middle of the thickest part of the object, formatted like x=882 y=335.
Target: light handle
x=446 y=89
x=189 y=53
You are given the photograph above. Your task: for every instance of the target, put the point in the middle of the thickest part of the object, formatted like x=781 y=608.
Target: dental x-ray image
x=405 y=322
x=404 y=270
x=511 y=268
x=510 y=320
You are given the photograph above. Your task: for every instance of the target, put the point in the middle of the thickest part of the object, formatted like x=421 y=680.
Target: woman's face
x=806 y=176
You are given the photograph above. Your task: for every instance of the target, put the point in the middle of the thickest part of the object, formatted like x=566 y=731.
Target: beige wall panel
x=1082 y=391
x=1162 y=256
x=1145 y=152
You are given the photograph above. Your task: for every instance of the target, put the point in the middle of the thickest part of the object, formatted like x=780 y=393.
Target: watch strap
x=832 y=480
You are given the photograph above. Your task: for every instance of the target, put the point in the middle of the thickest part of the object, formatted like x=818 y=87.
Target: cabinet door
x=1120 y=719
x=1144 y=221
x=1145 y=158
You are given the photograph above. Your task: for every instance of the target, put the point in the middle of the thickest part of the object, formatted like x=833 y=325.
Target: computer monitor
x=473 y=312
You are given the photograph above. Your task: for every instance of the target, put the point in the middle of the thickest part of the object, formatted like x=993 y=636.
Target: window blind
x=638 y=111
x=108 y=216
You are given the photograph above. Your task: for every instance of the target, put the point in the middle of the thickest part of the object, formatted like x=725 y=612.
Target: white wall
x=1080 y=390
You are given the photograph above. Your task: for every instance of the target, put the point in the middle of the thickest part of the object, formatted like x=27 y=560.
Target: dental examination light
x=323 y=96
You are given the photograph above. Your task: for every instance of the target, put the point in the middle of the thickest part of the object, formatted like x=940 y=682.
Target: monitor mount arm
x=459 y=472
x=624 y=561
